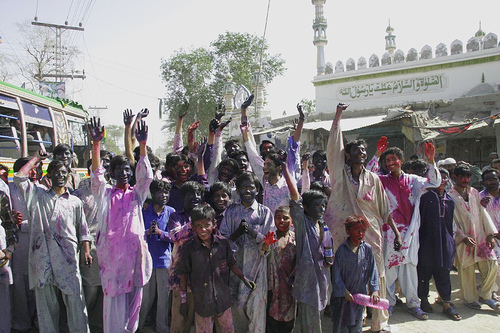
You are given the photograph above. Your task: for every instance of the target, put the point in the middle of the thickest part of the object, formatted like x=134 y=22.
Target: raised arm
x=183 y=111
x=298 y=129
x=96 y=133
x=128 y=116
x=335 y=154
x=291 y=183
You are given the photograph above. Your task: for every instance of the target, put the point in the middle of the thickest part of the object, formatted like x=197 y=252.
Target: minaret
x=319 y=27
x=228 y=91
x=258 y=90
x=390 y=40
x=480 y=35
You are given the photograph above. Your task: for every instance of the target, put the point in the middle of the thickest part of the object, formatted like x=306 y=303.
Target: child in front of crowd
x=156 y=218
x=247 y=224
x=206 y=260
x=310 y=287
x=281 y=306
x=353 y=270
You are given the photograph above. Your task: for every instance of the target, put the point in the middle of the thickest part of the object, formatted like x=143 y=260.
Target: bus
x=30 y=122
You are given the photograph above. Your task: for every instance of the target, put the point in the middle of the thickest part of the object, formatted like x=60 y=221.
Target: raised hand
x=247 y=102
x=430 y=151
x=128 y=116
x=282 y=155
x=202 y=147
x=183 y=111
x=306 y=156
x=142 y=132
x=342 y=106
x=301 y=113
x=224 y=124
x=143 y=113
x=42 y=154
x=269 y=239
x=295 y=123
x=95 y=129
x=215 y=122
x=382 y=144
x=193 y=126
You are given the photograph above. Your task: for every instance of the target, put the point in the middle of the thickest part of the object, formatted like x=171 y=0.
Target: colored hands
x=128 y=116
x=183 y=111
x=42 y=154
x=215 y=122
x=430 y=151
x=342 y=106
x=470 y=242
x=382 y=144
x=18 y=217
x=95 y=129
x=202 y=147
x=301 y=113
x=250 y=284
x=397 y=243
x=142 y=132
x=269 y=239
x=247 y=102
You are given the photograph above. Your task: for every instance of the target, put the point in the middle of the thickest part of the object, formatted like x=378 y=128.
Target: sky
x=124 y=41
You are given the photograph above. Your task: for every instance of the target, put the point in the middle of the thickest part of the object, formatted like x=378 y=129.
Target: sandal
x=452 y=313
x=492 y=304
x=474 y=305
x=426 y=306
x=418 y=313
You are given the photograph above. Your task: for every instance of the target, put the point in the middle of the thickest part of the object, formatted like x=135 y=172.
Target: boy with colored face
x=57 y=227
x=156 y=218
x=205 y=262
x=246 y=224
x=404 y=192
x=353 y=270
x=219 y=198
x=310 y=287
x=124 y=259
x=474 y=238
x=62 y=152
x=180 y=228
x=281 y=266
x=275 y=189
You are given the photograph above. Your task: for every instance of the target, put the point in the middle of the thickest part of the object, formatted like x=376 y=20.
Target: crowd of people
x=235 y=237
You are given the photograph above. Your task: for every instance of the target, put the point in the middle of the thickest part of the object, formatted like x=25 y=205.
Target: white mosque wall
x=444 y=78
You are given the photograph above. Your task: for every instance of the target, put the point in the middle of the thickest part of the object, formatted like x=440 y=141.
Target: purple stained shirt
x=123 y=253
x=58 y=225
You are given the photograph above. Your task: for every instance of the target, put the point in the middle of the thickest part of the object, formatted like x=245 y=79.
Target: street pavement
x=482 y=321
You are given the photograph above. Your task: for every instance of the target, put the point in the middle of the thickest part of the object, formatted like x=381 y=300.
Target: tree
x=114 y=139
x=199 y=75
x=4 y=72
x=309 y=106
x=39 y=43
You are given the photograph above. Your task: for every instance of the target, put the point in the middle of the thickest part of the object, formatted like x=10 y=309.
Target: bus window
x=10 y=134
x=78 y=137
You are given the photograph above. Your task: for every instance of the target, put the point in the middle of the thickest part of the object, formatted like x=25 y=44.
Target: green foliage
x=114 y=139
x=200 y=74
x=308 y=106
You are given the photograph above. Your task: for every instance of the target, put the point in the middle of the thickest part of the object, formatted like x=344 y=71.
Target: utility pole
x=97 y=109
x=59 y=29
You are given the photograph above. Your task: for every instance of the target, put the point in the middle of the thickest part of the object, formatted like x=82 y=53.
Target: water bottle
x=366 y=300
x=327 y=246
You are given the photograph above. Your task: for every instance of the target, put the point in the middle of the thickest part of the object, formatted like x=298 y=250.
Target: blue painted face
x=247 y=192
x=122 y=174
x=316 y=209
x=59 y=176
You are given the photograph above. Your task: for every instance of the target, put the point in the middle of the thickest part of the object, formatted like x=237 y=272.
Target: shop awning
x=347 y=124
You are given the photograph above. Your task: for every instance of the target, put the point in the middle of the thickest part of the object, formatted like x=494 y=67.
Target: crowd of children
x=228 y=239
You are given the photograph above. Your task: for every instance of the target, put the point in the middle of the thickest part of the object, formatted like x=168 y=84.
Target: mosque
x=450 y=94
